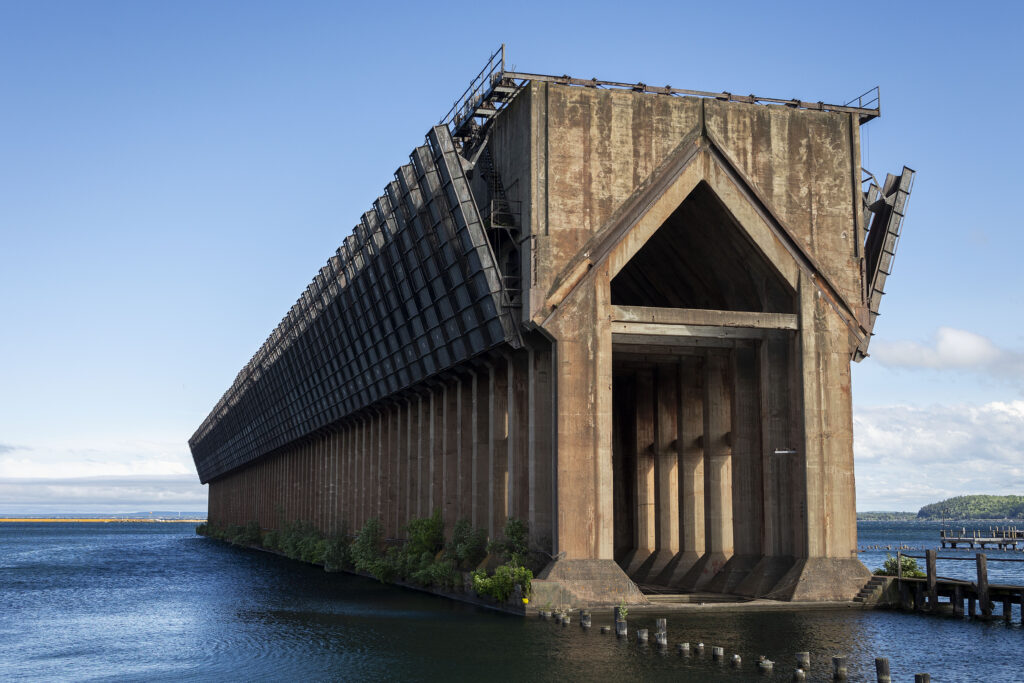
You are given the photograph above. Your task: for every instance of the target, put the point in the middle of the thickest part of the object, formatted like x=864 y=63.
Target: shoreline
x=97 y=519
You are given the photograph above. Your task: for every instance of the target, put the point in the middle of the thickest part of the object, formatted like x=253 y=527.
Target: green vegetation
x=501 y=585
x=424 y=558
x=975 y=507
x=909 y=565
x=886 y=516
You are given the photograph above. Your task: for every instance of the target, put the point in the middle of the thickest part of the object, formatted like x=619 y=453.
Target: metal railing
x=464 y=106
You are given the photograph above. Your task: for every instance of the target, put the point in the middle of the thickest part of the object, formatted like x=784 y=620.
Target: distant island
x=958 y=507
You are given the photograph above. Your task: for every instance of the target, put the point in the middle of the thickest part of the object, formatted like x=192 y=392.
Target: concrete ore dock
x=624 y=314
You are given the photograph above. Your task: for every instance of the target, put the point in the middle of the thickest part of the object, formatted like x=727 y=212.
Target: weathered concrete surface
x=680 y=414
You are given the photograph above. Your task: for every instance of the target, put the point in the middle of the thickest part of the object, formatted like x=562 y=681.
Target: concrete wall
x=728 y=464
x=475 y=447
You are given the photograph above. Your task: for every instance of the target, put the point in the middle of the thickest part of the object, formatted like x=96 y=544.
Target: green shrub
x=368 y=552
x=248 y=535
x=468 y=546
x=337 y=555
x=202 y=529
x=909 y=567
x=501 y=585
x=514 y=547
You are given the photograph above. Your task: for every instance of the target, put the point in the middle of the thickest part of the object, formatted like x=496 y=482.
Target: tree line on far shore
x=958 y=507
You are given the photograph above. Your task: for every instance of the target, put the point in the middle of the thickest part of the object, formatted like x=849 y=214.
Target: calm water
x=155 y=602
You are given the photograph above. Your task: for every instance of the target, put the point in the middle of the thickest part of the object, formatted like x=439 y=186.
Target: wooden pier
x=1001 y=537
x=934 y=593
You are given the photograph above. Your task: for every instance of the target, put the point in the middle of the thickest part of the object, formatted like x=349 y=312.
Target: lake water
x=155 y=602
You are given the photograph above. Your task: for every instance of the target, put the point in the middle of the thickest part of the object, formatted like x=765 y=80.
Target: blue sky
x=172 y=175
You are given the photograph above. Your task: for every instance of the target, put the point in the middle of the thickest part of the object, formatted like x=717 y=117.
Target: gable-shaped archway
x=701 y=258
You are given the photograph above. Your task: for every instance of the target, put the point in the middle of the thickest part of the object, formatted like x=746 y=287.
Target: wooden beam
x=702 y=317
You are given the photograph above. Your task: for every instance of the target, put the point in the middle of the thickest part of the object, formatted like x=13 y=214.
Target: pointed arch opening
x=701 y=258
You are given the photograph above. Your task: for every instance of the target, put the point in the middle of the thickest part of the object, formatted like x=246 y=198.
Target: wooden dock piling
x=983 y=598
x=839 y=670
x=882 y=670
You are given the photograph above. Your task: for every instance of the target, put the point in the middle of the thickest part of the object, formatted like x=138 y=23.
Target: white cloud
x=101 y=494
x=96 y=458
x=950 y=349
x=907 y=457
x=98 y=475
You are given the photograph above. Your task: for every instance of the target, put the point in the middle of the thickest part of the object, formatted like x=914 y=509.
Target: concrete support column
x=747 y=487
x=541 y=437
x=644 y=523
x=481 y=450
x=518 y=436
x=666 y=470
x=395 y=457
x=449 y=478
x=498 y=449
x=716 y=440
x=464 y=474
x=422 y=446
x=435 y=499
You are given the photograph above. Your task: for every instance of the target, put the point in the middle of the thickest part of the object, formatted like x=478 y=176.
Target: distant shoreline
x=98 y=519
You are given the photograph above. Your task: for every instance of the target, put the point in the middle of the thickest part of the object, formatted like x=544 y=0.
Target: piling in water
x=620 y=629
x=717 y=653
x=735 y=660
x=803 y=660
x=839 y=669
x=882 y=670
x=699 y=648
x=641 y=636
x=683 y=649
x=922 y=678
x=765 y=666
x=606 y=629
x=799 y=675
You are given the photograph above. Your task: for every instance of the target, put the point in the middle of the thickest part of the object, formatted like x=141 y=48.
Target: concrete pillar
x=422 y=455
x=718 y=455
x=464 y=475
x=519 y=435
x=481 y=449
x=406 y=456
x=666 y=469
x=716 y=440
x=541 y=439
x=395 y=458
x=747 y=487
x=498 y=449
x=449 y=488
x=691 y=468
x=644 y=522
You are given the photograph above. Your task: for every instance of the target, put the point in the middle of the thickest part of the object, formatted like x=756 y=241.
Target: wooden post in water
x=839 y=670
x=1007 y=609
x=986 y=604
x=958 y=601
x=933 y=594
x=971 y=610
x=803 y=660
x=882 y=670
x=922 y=678
x=899 y=566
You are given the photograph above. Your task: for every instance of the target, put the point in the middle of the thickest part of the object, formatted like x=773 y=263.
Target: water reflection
x=154 y=602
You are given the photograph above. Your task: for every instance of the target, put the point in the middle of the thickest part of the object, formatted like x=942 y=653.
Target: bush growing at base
x=468 y=546
x=368 y=552
x=908 y=565
x=503 y=583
